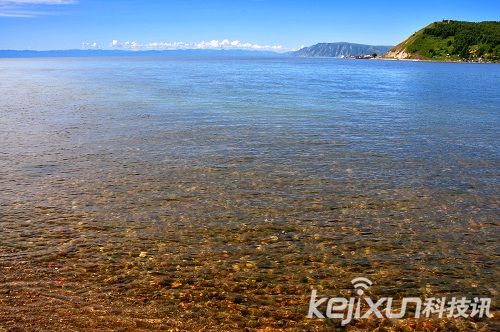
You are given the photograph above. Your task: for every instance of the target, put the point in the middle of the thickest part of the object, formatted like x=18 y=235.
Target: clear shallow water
x=160 y=193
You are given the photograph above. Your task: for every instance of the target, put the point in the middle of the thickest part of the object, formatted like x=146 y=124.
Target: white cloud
x=37 y=2
x=28 y=8
x=204 y=45
x=87 y=45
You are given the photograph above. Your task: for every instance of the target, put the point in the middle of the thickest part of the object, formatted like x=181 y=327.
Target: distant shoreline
x=91 y=54
x=125 y=53
x=440 y=61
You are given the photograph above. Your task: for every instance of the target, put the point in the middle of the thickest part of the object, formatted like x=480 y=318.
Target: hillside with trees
x=452 y=41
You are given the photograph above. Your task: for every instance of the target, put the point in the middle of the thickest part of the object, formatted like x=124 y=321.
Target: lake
x=217 y=192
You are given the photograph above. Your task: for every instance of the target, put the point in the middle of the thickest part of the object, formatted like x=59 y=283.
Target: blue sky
x=256 y=24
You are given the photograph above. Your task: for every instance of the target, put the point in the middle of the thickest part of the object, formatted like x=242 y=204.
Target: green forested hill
x=452 y=40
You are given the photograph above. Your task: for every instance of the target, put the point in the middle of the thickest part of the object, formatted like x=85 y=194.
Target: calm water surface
x=150 y=193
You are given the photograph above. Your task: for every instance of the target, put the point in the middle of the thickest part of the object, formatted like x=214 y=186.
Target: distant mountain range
x=124 y=53
x=340 y=50
x=452 y=41
x=447 y=40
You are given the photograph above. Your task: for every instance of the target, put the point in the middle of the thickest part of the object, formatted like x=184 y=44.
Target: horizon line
x=131 y=50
